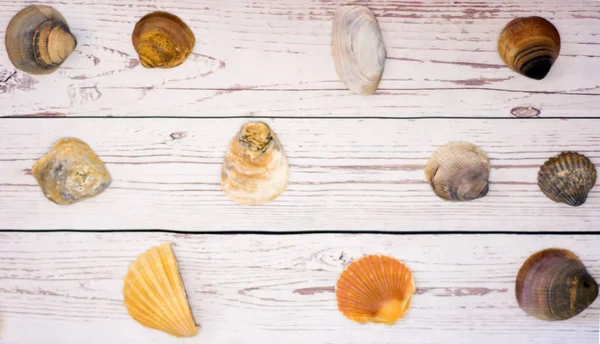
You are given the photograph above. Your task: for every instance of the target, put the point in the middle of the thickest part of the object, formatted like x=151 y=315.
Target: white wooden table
x=356 y=166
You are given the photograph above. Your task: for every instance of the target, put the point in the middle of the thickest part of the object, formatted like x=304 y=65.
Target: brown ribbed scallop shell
x=458 y=171
x=567 y=178
x=38 y=40
x=162 y=40
x=375 y=289
x=529 y=46
x=553 y=284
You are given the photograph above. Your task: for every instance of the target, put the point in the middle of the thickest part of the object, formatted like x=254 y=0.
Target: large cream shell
x=458 y=171
x=71 y=172
x=255 y=170
x=357 y=48
x=375 y=289
x=154 y=294
x=553 y=284
x=38 y=40
x=567 y=178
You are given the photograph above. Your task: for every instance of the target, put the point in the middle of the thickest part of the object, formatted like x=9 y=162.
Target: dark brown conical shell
x=567 y=178
x=38 y=40
x=529 y=46
x=553 y=284
x=458 y=171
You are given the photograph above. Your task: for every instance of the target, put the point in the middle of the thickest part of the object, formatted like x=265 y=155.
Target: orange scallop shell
x=375 y=289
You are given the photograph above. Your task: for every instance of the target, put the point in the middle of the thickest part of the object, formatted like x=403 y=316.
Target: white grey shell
x=357 y=48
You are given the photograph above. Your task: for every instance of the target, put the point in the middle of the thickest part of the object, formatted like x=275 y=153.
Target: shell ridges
x=567 y=178
x=154 y=294
x=375 y=289
x=458 y=171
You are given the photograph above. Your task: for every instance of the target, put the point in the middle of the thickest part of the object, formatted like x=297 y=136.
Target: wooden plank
x=273 y=58
x=247 y=289
x=346 y=175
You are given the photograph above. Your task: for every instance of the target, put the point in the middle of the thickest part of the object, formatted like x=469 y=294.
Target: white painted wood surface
x=279 y=289
x=344 y=175
x=272 y=59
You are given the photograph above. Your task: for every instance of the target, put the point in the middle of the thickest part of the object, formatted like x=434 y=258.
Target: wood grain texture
x=344 y=175
x=273 y=58
x=251 y=289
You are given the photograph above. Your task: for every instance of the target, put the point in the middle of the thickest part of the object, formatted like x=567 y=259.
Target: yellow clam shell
x=162 y=40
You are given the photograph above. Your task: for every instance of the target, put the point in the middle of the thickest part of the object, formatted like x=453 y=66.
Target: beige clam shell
x=458 y=171
x=357 y=48
x=255 y=170
x=71 y=172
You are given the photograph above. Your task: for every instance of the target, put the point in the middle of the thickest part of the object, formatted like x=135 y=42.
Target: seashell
x=567 y=178
x=554 y=285
x=162 y=40
x=529 y=46
x=357 y=48
x=458 y=171
x=38 y=40
x=375 y=289
x=255 y=169
x=71 y=171
x=154 y=294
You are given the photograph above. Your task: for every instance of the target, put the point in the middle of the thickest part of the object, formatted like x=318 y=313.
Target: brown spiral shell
x=38 y=40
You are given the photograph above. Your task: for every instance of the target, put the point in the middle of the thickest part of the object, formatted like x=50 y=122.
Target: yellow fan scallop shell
x=154 y=294
x=375 y=289
x=162 y=40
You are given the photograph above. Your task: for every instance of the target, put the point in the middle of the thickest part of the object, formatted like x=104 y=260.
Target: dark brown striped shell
x=458 y=171
x=162 y=40
x=567 y=178
x=553 y=284
x=38 y=40
x=529 y=46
